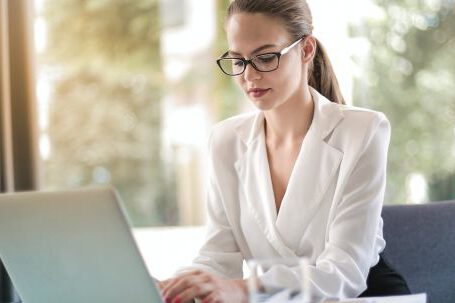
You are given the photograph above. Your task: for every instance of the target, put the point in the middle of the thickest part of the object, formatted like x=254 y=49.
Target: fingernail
x=177 y=299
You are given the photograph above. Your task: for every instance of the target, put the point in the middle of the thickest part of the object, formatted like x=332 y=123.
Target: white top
x=330 y=213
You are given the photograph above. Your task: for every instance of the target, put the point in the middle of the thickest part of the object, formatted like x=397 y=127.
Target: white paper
x=417 y=298
x=282 y=297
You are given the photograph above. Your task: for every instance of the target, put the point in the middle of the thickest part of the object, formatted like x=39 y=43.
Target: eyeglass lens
x=262 y=63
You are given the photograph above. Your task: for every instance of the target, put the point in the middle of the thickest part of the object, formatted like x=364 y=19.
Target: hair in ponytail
x=296 y=16
x=322 y=77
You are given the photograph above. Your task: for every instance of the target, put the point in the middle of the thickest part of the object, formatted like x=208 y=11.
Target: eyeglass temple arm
x=285 y=50
x=223 y=55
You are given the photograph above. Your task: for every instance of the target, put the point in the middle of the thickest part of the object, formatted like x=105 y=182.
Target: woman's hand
x=161 y=284
x=203 y=286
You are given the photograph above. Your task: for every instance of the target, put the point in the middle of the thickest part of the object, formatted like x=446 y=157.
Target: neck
x=289 y=123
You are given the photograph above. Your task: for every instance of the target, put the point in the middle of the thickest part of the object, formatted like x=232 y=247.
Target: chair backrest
x=421 y=246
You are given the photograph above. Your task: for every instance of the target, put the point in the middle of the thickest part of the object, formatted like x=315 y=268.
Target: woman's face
x=253 y=34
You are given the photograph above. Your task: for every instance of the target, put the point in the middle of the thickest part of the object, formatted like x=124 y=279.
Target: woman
x=303 y=176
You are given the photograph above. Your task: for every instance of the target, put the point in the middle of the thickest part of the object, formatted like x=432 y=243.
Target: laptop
x=72 y=246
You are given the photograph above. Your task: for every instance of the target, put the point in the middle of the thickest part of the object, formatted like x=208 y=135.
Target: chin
x=265 y=104
x=261 y=105
x=264 y=108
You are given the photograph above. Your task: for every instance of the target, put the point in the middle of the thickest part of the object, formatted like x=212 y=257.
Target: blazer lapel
x=254 y=175
x=314 y=170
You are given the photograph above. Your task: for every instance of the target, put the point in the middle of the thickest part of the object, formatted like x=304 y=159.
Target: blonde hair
x=296 y=16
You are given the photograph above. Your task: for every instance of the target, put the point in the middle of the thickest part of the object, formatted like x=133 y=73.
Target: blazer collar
x=326 y=117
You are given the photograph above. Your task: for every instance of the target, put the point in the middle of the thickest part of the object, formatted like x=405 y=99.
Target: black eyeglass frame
x=284 y=51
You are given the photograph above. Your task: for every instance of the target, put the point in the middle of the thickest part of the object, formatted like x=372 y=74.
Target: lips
x=258 y=92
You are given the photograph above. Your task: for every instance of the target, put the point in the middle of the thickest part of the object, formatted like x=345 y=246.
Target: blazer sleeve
x=352 y=245
x=220 y=253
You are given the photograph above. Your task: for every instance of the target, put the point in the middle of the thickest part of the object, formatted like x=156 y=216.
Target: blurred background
x=127 y=91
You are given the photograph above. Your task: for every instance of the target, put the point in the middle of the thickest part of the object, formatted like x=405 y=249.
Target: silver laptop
x=72 y=246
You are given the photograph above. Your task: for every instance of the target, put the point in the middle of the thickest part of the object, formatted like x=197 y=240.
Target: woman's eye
x=238 y=63
x=266 y=58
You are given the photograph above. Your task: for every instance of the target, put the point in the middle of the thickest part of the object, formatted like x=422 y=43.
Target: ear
x=308 y=49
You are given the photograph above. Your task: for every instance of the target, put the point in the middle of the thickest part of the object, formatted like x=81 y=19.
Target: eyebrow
x=255 y=51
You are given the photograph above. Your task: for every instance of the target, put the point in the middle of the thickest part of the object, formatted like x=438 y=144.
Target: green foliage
x=409 y=76
x=104 y=112
x=111 y=35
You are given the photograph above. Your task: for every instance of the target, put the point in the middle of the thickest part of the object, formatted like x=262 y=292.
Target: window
x=122 y=102
x=128 y=91
x=408 y=71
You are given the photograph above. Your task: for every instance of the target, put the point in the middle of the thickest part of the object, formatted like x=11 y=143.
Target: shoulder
x=358 y=128
x=346 y=121
x=362 y=116
x=226 y=142
x=230 y=132
x=361 y=120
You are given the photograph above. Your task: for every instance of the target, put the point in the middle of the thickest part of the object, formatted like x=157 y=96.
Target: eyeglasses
x=266 y=62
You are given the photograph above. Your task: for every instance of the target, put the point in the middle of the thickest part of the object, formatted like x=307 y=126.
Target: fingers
x=204 y=286
x=213 y=297
x=181 y=284
x=186 y=287
x=171 y=283
x=196 y=291
x=229 y=291
x=209 y=299
x=161 y=284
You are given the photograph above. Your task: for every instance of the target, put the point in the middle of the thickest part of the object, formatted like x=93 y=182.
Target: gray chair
x=421 y=246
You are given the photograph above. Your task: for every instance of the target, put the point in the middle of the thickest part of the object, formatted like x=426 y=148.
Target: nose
x=251 y=74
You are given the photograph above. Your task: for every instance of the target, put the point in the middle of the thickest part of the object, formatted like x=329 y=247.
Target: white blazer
x=330 y=213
